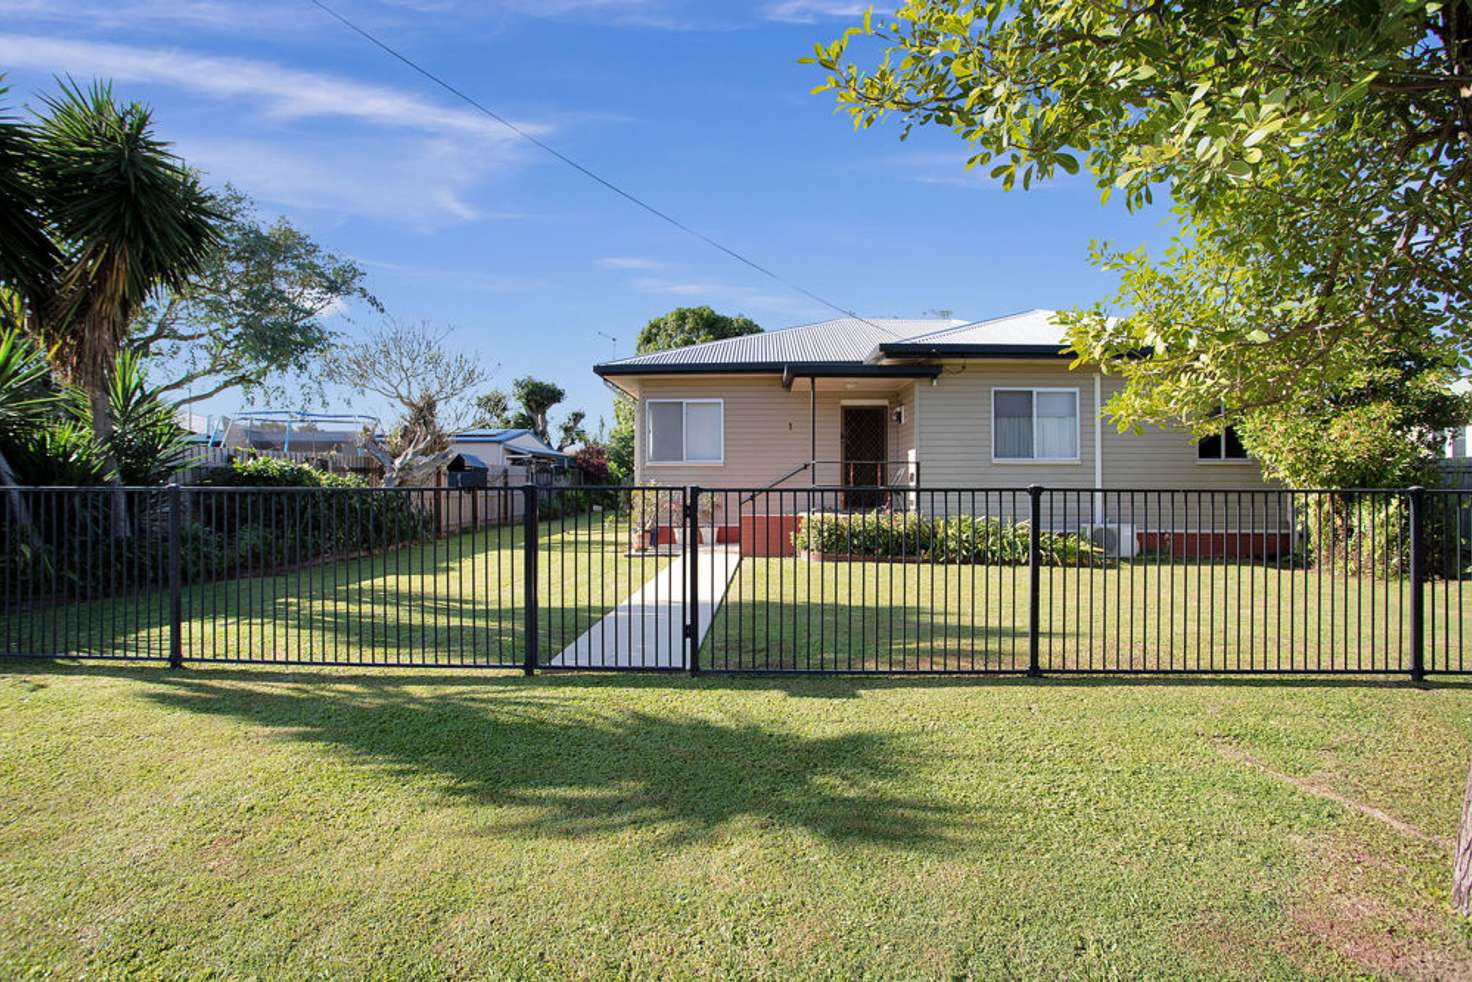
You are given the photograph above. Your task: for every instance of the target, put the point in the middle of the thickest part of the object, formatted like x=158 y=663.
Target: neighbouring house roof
x=852 y=346
x=522 y=441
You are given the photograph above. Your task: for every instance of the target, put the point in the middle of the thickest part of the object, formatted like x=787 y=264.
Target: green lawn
x=794 y=614
x=289 y=822
x=456 y=600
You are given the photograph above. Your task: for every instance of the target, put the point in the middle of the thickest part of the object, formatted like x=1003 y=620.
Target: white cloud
x=256 y=17
x=423 y=183
x=393 y=155
x=812 y=11
x=283 y=93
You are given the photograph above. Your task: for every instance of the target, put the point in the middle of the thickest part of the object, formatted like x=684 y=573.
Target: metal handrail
x=851 y=464
x=785 y=477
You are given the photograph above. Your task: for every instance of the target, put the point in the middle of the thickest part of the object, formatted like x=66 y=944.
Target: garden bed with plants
x=909 y=537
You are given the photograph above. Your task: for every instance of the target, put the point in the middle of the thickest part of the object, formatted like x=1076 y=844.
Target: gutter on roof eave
x=902 y=349
x=675 y=368
x=787 y=369
x=994 y=352
x=797 y=370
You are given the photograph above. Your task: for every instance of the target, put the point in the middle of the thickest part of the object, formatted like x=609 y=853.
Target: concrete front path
x=647 y=629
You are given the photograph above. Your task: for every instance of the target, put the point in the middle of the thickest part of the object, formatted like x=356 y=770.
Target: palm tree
x=28 y=257
x=27 y=404
x=128 y=218
x=95 y=216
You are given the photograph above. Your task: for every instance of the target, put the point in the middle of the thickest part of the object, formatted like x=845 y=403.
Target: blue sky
x=701 y=108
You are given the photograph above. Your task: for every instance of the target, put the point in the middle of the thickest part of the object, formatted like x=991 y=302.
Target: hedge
x=959 y=539
x=69 y=551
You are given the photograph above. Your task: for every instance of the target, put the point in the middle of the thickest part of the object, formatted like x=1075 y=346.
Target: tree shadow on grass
x=550 y=765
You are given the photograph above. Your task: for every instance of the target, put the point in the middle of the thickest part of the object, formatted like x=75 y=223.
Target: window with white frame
x=1225 y=445
x=685 y=431
x=1035 y=424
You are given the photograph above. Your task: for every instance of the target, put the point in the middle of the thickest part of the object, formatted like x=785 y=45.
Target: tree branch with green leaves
x=1317 y=158
x=254 y=316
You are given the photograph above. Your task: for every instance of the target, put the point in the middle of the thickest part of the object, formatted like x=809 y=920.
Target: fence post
x=692 y=553
x=1418 y=583
x=529 y=547
x=176 y=597
x=1034 y=576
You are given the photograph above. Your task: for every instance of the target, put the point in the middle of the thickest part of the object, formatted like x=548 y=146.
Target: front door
x=865 y=446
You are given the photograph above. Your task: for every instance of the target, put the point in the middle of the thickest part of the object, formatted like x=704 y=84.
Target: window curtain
x=1013 y=439
x=1057 y=429
x=666 y=431
x=703 y=431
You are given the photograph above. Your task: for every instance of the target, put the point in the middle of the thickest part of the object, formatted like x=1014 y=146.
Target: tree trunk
x=103 y=429
x=16 y=501
x=385 y=459
x=1462 y=863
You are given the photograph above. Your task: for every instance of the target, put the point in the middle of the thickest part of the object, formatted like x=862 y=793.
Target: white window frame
x=684 y=433
x=1223 y=459
x=1078 y=441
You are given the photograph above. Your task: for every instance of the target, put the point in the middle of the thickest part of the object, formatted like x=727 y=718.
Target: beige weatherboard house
x=912 y=403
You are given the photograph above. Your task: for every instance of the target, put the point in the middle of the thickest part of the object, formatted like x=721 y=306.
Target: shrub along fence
x=923 y=580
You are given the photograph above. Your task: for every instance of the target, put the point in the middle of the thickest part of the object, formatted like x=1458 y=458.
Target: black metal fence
x=918 y=580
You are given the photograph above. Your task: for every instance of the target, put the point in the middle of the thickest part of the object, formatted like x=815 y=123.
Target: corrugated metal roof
x=851 y=341
x=505 y=437
x=843 y=339
x=1027 y=328
x=488 y=436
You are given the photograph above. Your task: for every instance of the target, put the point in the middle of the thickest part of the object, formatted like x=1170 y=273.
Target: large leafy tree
x=493 y=409
x=529 y=406
x=571 y=430
x=691 y=325
x=621 y=441
x=99 y=217
x=412 y=367
x=537 y=397
x=1317 y=155
x=253 y=316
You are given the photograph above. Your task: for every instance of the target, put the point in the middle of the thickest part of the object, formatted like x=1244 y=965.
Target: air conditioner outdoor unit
x=1117 y=540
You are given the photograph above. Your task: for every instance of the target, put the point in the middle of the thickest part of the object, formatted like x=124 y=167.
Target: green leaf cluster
x=1317 y=156
x=48 y=436
x=981 y=540
x=692 y=325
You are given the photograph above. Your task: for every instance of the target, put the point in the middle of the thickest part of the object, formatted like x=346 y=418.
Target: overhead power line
x=591 y=175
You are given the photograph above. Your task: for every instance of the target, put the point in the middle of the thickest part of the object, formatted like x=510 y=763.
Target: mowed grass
x=457 y=600
x=786 y=614
x=418 y=824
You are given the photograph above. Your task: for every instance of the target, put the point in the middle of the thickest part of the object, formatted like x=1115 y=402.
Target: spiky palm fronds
x=129 y=218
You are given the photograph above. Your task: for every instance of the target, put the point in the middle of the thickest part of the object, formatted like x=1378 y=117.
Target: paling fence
x=835 y=579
